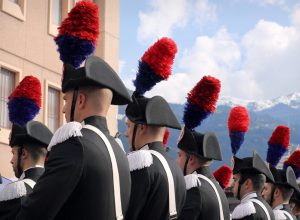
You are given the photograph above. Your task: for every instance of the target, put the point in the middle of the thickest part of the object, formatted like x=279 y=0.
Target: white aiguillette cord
x=116 y=177
x=172 y=199
x=217 y=193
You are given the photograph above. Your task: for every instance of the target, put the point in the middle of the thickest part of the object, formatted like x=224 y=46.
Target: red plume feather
x=82 y=22
x=294 y=159
x=281 y=135
x=166 y=137
x=160 y=57
x=30 y=88
x=223 y=175
x=238 y=120
x=206 y=93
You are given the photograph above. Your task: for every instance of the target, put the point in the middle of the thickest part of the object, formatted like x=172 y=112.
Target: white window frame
x=65 y=8
x=4 y=132
x=49 y=84
x=16 y=10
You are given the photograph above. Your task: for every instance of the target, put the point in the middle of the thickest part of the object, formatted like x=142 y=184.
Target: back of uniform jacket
x=201 y=200
x=77 y=183
x=149 y=195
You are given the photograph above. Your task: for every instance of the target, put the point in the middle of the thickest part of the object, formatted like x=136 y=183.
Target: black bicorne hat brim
x=252 y=165
x=203 y=145
x=153 y=111
x=96 y=72
x=285 y=178
x=33 y=133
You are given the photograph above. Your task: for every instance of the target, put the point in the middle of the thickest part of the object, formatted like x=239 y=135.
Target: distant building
x=27 y=29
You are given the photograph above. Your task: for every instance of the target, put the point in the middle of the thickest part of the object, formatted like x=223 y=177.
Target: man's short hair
x=258 y=180
x=36 y=151
x=286 y=192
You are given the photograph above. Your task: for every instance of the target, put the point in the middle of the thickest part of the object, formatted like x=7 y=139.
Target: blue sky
x=252 y=46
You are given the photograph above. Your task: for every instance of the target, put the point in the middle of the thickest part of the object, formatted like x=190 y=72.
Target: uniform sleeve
x=140 y=186
x=62 y=173
x=249 y=217
x=192 y=206
x=9 y=209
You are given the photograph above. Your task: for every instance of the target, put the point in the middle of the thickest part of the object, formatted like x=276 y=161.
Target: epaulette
x=191 y=181
x=279 y=214
x=71 y=129
x=139 y=160
x=13 y=190
x=243 y=210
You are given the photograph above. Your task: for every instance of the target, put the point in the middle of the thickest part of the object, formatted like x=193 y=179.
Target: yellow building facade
x=27 y=29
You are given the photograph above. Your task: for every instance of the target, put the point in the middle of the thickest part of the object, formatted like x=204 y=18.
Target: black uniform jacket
x=201 y=200
x=10 y=208
x=251 y=211
x=78 y=183
x=149 y=194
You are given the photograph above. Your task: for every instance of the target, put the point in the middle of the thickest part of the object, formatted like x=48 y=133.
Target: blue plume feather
x=193 y=115
x=146 y=78
x=236 y=138
x=73 y=50
x=22 y=110
x=275 y=152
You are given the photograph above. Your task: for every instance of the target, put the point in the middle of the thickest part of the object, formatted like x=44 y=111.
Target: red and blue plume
x=24 y=102
x=294 y=162
x=78 y=33
x=223 y=175
x=155 y=65
x=166 y=137
x=238 y=124
x=201 y=101
x=278 y=144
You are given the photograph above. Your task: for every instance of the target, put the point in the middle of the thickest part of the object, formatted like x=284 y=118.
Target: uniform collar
x=248 y=196
x=97 y=121
x=157 y=146
x=205 y=171
x=28 y=169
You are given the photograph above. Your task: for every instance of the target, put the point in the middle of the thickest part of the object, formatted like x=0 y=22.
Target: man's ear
x=276 y=192
x=81 y=100
x=24 y=154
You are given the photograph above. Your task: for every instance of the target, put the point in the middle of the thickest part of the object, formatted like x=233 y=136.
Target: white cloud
x=295 y=17
x=122 y=63
x=204 y=11
x=271 y=56
x=263 y=64
x=165 y=16
x=270 y=2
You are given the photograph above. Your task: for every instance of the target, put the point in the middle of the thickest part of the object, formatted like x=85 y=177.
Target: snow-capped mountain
x=292 y=100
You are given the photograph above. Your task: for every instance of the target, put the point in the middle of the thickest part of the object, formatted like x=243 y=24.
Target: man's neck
x=277 y=202
x=29 y=165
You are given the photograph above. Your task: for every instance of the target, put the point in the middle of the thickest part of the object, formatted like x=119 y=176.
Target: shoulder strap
x=29 y=182
x=116 y=177
x=217 y=193
x=172 y=199
x=288 y=214
x=262 y=206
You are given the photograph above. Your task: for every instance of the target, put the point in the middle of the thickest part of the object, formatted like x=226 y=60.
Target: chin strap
x=133 y=137
x=272 y=195
x=186 y=163
x=19 y=168
x=75 y=94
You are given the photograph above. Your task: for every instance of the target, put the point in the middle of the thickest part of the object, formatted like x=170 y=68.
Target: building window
x=53 y=107
x=16 y=8
x=7 y=84
x=58 y=10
